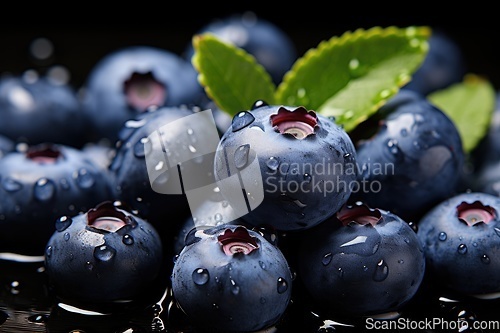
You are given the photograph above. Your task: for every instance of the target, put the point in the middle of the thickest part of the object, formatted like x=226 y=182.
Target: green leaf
x=350 y=77
x=470 y=105
x=232 y=78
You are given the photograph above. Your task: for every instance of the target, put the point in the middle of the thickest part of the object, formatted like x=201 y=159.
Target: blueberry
x=271 y=46
x=136 y=154
x=106 y=254
x=361 y=261
x=306 y=162
x=129 y=80
x=460 y=237
x=413 y=161
x=39 y=185
x=39 y=110
x=231 y=279
x=443 y=65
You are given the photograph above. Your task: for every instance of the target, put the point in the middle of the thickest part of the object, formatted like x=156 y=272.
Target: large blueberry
x=443 y=65
x=129 y=80
x=296 y=166
x=361 y=261
x=41 y=183
x=106 y=254
x=231 y=279
x=413 y=161
x=461 y=238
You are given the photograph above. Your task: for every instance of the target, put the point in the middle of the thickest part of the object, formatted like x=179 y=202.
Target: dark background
x=82 y=33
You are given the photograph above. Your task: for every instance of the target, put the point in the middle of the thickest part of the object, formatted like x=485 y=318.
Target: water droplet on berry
x=381 y=271
x=44 y=189
x=282 y=285
x=327 y=259
x=442 y=236
x=63 y=223
x=462 y=249
x=262 y=265
x=497 y=231
x=200 y=276
x=48 y=251
x=485 y=259
x=127 y=239
x=241 y=156
x=394 y=149
x=273 y=163
x=104 y=253
x=242 y=120
x=66 y=236
x=84 y=179
x=142 y=147
x=11 y=185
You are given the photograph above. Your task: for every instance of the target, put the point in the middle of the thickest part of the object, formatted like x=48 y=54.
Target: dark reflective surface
x=28 y=304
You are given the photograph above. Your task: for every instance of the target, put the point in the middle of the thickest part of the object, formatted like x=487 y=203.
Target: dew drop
x=235 y=289
x=84 y=179
x=192 y=148
x=394 y=149
x=262 y=265
x=63 y=223
x=11 y=185
x=48 y=251
x=142 y=148
x=241 y=156
x=273 y=163
x=104 y=253
x=307 y=178
x=462 y=249
x=327 y=259
x=89 y=266
x=66 y=236
x=44 y=189
x=282 y=285
x=497 y=231
x=485 y=259
x=242 y=120
x=381 y=271
x=404 y=132
x=127 y=239
x=200 y=276
x=442 y=236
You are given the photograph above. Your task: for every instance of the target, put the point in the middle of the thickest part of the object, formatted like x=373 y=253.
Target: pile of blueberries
x=391 y=223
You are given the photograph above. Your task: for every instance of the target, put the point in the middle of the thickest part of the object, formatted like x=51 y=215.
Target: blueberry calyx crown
x=108 y=218
x=237 y=241
x=300 y=123
x=43 y=153
x=359 y=214
x=475 y=213
x=143 y=91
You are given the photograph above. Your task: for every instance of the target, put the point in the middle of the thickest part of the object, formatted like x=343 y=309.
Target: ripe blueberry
x=307 y=164
x=361 y=261
x=231 y=279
